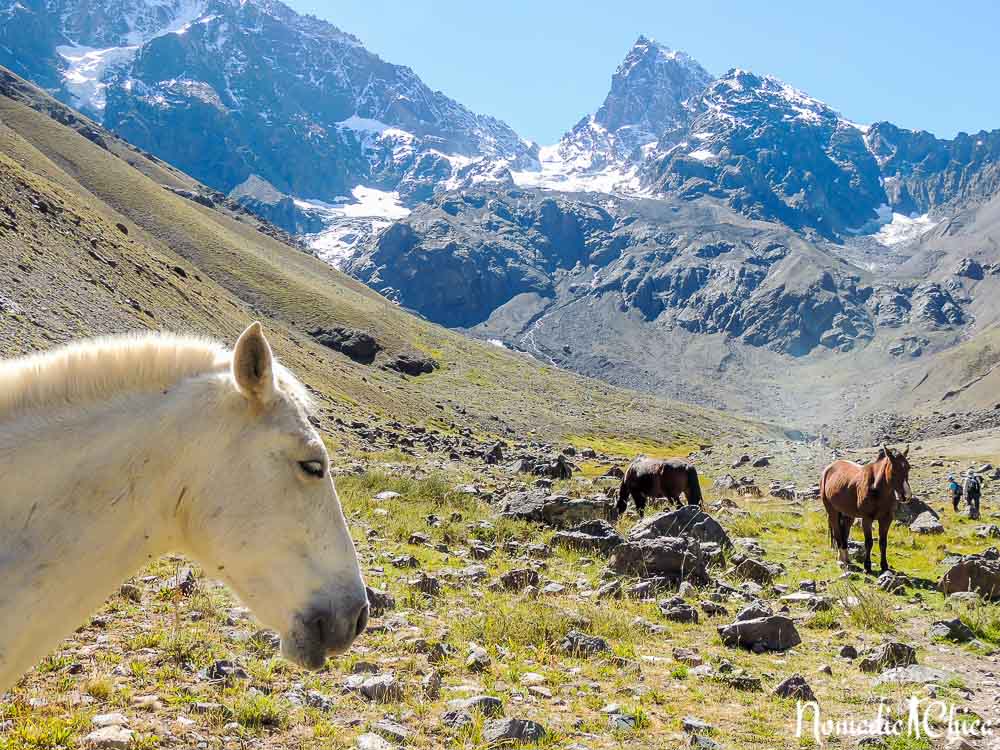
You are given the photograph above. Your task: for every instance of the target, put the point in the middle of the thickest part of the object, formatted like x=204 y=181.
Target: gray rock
x=518 y=579
x=113 y=737
x=887 y=656
x=392 y=731
x=679 y=611
x=755 y=610
x=382 y=689
x=580 y=644
x=979 y=573
x=908 y=512
x=795 y=687
x=757 y=571
x=952 y=630
x=486 y=705
x=592 y=536
x=926 y=523
x=556 y=510
x=478 y=660
x=519 y=731
x=774 y=633
x=689 y=521
x=672 y=557
x=913 y=674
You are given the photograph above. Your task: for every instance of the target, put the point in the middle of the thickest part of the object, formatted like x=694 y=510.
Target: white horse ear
x=253 y=365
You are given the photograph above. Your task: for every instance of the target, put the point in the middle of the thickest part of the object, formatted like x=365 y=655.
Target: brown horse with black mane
x=870 y=492
x=653 y=477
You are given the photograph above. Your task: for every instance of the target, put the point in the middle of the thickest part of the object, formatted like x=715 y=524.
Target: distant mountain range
x=733 y=227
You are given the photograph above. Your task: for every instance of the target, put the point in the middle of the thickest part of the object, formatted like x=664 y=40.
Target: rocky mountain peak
x=651 y=87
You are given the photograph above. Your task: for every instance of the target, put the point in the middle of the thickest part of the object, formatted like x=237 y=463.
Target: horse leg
x=640 y=503
x=845 y=523
x=883 y=540
x=866 y=524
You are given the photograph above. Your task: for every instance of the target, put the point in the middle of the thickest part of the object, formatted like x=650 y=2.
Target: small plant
x=868 y=608
x=258 y=711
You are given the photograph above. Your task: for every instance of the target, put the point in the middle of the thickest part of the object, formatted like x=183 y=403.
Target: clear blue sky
x=542 y=64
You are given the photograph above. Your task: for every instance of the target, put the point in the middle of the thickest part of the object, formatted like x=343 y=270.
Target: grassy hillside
x=69 y=271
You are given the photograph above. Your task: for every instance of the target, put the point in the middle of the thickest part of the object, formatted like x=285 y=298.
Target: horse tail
x=693 y=488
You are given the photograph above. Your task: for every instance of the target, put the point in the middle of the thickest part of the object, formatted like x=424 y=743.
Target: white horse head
x=267 y=517
x=167 y=443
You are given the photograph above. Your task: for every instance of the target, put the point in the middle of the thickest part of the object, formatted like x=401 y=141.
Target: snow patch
x=903 y=228
x=352 y=222
x=87 y=67
x=576 y=175
x=702 y=154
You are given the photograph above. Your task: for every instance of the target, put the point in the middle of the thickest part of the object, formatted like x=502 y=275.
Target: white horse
x=117 y=450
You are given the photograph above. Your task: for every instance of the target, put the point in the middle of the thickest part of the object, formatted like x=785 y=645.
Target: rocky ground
x=512 y=606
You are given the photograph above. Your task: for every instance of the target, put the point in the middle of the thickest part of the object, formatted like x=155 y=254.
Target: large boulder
x=592 y=536
x=689 y=521
x=360 y=346
x=888 y=656
x=773 y=633
x=927 y=523
x=908 y=512
x=979 y=573
x=557 y=510
x=673 y=557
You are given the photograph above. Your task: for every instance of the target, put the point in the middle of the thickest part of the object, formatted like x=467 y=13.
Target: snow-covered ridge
x=88 y=67
x=352 y=222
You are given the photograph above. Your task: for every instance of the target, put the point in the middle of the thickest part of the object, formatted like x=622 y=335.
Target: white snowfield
x=350 y=223
x=86 y=75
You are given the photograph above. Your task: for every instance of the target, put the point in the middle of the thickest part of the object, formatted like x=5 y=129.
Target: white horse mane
x=100 y=368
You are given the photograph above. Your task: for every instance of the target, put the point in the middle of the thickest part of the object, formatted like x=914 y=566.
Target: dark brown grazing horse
x=654 y=477
x=850 y=491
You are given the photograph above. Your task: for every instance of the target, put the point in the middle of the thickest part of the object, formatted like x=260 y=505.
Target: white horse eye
x=313 y=468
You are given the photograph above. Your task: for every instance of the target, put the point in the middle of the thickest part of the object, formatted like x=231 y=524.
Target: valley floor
x=185 y=666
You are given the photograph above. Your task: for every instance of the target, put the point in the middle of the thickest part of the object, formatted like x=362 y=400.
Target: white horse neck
x=89 y=494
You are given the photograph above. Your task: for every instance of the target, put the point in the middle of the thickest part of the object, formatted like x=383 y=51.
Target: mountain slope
x=69 y=271
x=228 y=90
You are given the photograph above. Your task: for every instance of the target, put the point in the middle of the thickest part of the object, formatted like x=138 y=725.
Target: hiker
x=956 y=491
x=973 y=490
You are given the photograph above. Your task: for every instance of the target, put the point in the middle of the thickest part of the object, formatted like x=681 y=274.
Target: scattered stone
x=372 y=741
x=519 y=579
x=674 y=557
x=426 y=584
x=688 y=521
x=392 y=731
x=379 y=602
x=887 y=656
x=110 y=738
x=952 y=630
x=754 y=611
x=848 y=652
x=795 y=687
x=926 y=523
x=521 y=731
x=457 y=718
x=713 y=609
x=757 y=571
x=557 y=510
x=913 y=674
x=487 y=705
x=979 y=573
x=382 y=689
x=892 y=582
x=225 y=670
x=109 y=720
x=691 y=724
x=774 y=633
x=431 y=684
x=701 y=742
x=676 y=610
x=687 y=657
x=183 y=583
x=908 y=512
x=592 y=536
x=131 y=592
x=580 y=644
x=478 y=660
